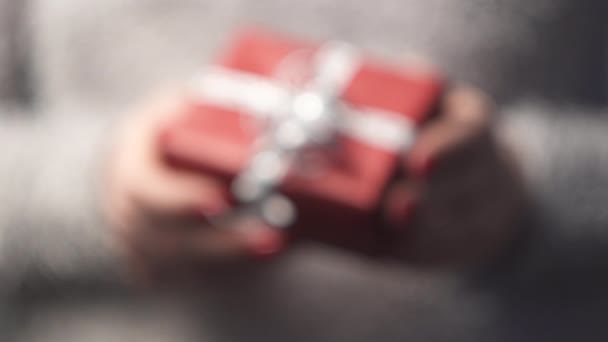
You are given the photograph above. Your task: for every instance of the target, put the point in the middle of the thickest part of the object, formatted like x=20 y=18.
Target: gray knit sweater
x=80 y=63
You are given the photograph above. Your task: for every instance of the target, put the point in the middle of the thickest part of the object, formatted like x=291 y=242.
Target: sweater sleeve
x=564 y=155
x=51 y=227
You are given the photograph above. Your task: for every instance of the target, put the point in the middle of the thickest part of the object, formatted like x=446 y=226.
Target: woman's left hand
x=461 y=198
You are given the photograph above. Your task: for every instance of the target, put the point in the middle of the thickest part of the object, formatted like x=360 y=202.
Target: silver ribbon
x=310 y=115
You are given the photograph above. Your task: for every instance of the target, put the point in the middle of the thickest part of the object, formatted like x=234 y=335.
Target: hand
x=158 y=213
x=462 y=195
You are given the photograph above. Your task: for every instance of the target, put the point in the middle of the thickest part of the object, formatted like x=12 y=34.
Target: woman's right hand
x=159 y=213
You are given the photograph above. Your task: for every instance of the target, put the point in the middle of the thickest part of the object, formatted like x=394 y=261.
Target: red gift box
x=337 y=189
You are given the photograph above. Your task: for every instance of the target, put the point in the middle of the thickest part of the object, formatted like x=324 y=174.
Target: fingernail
x=164 y=136
x=423 y=167
x=212 y=209
x=230 y=197
x=401 y=213
x=265 y=244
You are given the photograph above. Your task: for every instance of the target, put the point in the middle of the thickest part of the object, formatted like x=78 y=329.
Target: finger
x=246 y=238
x=144 y=120
x=401 y=204
x=150 y=180
x=164 y=191
x=165 y=105
x=464 y=115
x=172 y=194
x=467 y=106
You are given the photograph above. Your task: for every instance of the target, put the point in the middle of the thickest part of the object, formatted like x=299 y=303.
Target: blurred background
x=69 y=69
